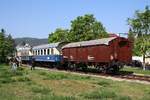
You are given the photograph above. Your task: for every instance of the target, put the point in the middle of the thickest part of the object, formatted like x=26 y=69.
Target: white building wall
x=147 y=60
x=137 y=58
x=30 y=53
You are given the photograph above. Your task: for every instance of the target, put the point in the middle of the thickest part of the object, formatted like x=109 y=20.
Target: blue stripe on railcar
x=49 y=58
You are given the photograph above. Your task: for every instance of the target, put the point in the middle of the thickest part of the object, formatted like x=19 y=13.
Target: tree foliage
x=60 y=35
x=140 y=29
x=140 y=24
x=6 y=46
x=131 y=36
x=142 y=45
x=86 y=28
x=82 y=28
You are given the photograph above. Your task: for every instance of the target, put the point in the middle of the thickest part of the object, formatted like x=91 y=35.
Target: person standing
x=18 y=61
x=10 y=61
x=32 y=63
x=14 y=65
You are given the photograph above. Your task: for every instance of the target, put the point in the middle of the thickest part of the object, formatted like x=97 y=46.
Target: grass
x=136 y=70
x=25 y=84
x=62 y=76
x=100 y=94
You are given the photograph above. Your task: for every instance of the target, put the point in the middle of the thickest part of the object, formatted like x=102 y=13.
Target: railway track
x=129 y=76
x=122 y=76
x=135 y=77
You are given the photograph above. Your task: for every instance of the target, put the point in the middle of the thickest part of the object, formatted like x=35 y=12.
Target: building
x=23 y=50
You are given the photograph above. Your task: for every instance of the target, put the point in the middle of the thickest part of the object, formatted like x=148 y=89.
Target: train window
x=48 y=51
x=123 y=43
x=52 y=51
x=39 y=52
x=44 y=51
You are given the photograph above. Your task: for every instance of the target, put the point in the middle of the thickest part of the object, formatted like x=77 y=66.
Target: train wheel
x=104 y=70
x=65 y=66
x=74 y=67
x=84 y=67
x=115 y=69
x=69 y=66
x=57 y=65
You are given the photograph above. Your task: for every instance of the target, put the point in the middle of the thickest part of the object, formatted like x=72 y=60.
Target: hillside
x=31 y=41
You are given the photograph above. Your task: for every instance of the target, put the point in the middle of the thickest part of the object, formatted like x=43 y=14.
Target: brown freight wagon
x=105 y=54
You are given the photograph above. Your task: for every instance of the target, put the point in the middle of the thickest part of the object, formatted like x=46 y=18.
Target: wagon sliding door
x=73 y=54
x=82 y=54
x=91 y=54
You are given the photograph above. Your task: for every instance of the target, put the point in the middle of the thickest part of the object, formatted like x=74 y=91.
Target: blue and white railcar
x=48 y=52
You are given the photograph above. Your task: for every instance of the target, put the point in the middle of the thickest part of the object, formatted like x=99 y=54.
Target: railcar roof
x=44 y=46
x=90 y=43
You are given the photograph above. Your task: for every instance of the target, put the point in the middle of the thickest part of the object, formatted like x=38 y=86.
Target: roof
x=44 y=46
x=90 y=43
x=23 y=47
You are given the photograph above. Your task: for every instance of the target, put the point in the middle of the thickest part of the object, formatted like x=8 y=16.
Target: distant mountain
x=31 y=41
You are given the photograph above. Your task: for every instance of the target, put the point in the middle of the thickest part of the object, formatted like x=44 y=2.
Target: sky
x=38 y=18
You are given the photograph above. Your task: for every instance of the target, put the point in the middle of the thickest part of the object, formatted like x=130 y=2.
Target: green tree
x=131 y=35
x=86 y=28
x=82 y=28
x=140 y=26
x=6 y=46
x=10 y=44
x=60 y=35
x=2 y=45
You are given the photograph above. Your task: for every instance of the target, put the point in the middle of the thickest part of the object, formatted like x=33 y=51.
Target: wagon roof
x=90 y=43
x=44 y=46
